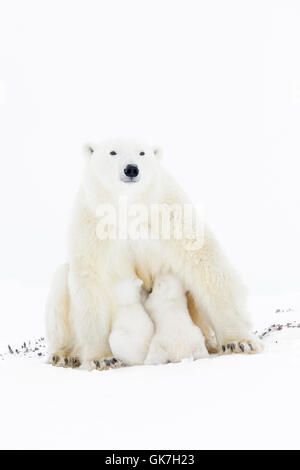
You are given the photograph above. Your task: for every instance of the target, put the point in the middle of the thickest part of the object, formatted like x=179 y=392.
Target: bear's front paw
x=246 y=346
x=105 y=364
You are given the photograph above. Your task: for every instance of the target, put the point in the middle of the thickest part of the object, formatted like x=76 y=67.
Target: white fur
x=176 y=337
x=82 y=302
x=132 y=328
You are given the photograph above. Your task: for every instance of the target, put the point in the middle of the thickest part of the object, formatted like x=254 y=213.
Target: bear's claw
x=243 y=346
x=54 y=360
x=57 y=361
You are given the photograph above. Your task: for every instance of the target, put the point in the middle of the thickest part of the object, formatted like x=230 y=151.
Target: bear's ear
x=88 y=150
x=157 y=152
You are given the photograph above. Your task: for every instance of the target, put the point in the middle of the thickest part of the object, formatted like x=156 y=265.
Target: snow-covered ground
x=226 y=402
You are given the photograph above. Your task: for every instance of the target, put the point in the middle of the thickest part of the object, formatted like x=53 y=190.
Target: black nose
x=131 y=171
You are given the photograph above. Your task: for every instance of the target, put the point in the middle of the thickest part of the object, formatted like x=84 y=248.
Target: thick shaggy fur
x=82 y=303
x=132 y=328
x=176 y=336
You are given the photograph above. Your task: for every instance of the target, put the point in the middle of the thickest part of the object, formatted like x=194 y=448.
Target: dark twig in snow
x=36 y=348
x=276 y=327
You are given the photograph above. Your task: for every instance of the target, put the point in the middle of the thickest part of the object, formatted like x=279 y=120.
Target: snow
x=223 y=402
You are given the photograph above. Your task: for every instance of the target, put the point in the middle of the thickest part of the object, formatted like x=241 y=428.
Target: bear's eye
x=142 y=153
x=113 y=152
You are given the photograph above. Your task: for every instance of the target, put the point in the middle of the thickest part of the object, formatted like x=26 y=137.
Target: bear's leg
x=225 y=309
x=58 y=329
x=230 y=322
x=201 y=321
x=91 y=319
x=217 y=293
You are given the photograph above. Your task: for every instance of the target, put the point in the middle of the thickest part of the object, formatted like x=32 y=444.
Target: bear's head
x=123 y=165
x=168 y=287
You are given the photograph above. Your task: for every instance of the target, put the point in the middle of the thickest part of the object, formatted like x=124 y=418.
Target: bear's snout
x=131 y=171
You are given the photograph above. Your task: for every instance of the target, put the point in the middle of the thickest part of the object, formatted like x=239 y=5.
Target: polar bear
x=132 y=328
x=176 y=336
x=82 y=305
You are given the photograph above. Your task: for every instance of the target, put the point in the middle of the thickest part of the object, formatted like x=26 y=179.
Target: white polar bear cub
x=132 y=328
x=176 y=336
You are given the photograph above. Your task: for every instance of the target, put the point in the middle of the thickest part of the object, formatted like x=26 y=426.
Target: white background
x=216 y=84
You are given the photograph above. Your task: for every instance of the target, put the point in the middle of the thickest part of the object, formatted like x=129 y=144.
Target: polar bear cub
x=176 y=336
x=132 y=328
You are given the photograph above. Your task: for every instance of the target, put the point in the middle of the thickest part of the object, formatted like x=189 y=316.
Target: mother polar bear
x=81 y=304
